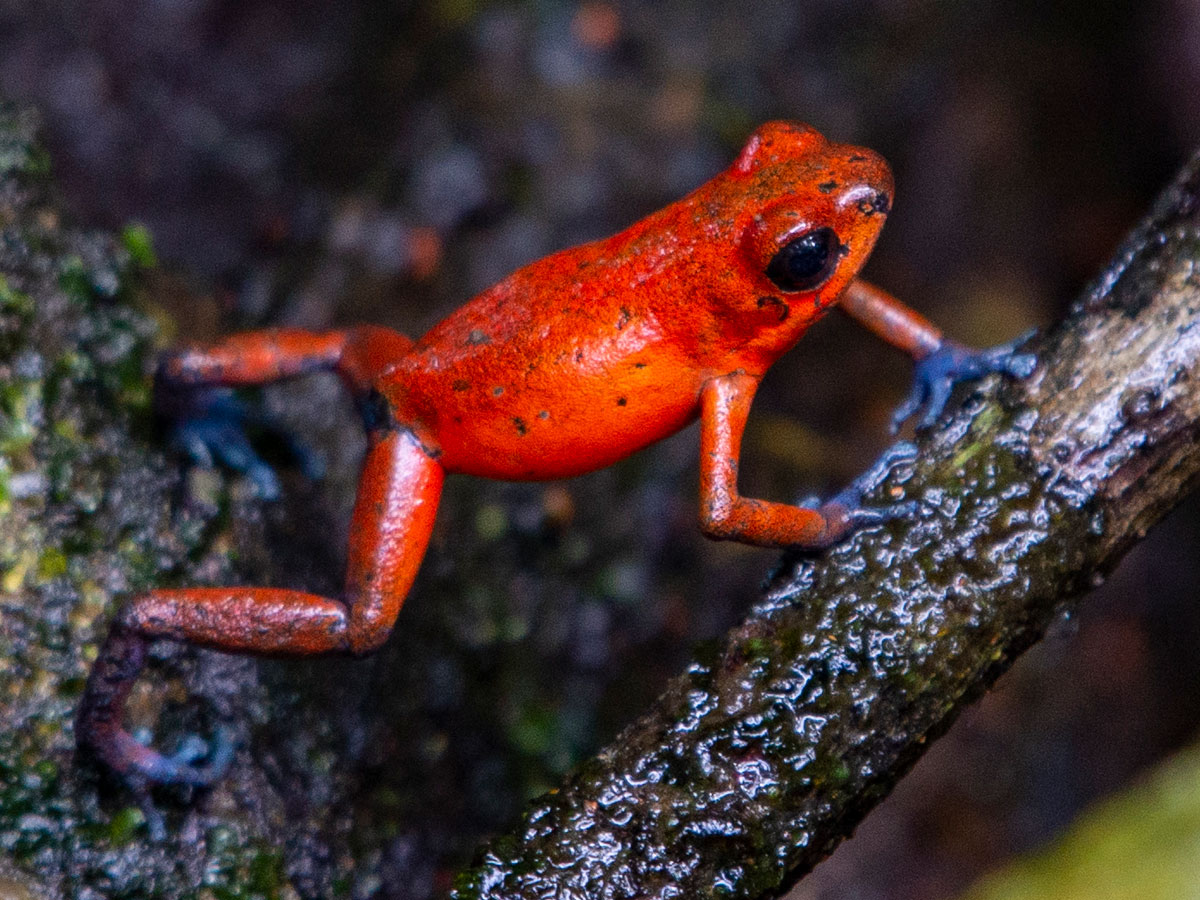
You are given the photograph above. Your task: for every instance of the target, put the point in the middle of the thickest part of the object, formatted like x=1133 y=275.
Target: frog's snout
x=869 y=199
x=867 y=180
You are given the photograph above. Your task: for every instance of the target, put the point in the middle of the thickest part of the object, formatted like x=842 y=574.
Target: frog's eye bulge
x=806 y=262
x=774 y=141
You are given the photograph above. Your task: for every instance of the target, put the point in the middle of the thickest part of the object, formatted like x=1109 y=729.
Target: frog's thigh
x=393 y=518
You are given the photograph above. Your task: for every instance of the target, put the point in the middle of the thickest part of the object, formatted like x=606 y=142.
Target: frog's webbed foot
x=180 y=768
x=197 y=763
x=212 y=426
x=937 y=374
x=845 y=511
x=98 y=730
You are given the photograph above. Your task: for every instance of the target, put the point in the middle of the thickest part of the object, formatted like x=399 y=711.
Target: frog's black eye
x=804 y=262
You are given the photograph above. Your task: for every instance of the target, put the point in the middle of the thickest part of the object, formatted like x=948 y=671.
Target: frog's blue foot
x=181 y=766
x=937 y=374
x=99 y=733
x=846 y=511
x=211 y=425
x=179 y=769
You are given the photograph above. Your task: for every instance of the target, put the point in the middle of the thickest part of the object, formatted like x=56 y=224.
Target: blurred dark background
x=317 y=164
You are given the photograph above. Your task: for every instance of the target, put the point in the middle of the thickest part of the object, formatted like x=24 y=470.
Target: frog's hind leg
x=368 y=351
x=393 y=518
x=208 y=423
x=258 y=357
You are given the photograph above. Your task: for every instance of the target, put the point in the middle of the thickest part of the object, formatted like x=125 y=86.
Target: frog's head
x=810 y=212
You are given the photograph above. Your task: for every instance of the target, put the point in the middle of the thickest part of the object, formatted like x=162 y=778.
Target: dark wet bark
x=767 y=752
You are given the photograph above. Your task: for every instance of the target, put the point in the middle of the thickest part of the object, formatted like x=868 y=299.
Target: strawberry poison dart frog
x=566 y=366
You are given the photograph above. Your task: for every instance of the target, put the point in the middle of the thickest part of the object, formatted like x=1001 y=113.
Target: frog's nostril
x=871 y=202
x=869 y=199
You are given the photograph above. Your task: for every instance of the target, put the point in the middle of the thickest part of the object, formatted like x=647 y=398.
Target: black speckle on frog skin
x=778 y=302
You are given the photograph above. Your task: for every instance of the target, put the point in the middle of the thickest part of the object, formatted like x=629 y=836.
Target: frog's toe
x=180 y=768
x=1005 y=359
x=846 y=513
x=937 y=375
x=236 y=453
x=193 y=749
x=936 y=398
x=900 y=453
x=212 y=441
x=1011 y=363
x=1020 y=365
x=144 y=764
x=212 y=426
x=155 y=823
x=910 y=405
x=309 y=460
x=867 y=516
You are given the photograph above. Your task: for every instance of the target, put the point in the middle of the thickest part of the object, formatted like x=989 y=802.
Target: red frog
x=568 y=365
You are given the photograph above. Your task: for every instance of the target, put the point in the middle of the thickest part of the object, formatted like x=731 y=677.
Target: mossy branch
x=765 y=754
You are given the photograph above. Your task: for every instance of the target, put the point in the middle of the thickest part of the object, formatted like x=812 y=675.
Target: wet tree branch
x=763 y=756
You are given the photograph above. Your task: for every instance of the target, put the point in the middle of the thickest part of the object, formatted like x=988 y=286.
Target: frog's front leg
x=724 y=514
x=941 y=363
x=393 y=518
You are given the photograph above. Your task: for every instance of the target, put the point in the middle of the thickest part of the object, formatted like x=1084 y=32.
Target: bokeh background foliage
x=317 y=164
